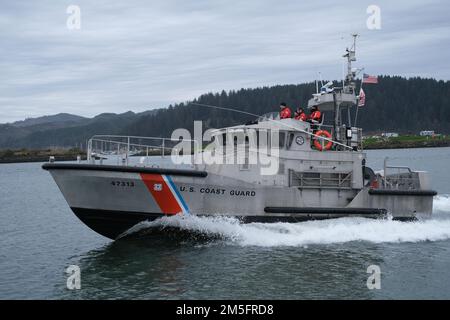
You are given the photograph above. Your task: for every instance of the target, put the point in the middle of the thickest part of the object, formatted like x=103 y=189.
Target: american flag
x=362 y=98
x=369 y=79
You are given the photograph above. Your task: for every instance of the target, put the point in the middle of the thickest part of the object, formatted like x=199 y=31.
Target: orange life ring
x=322 y=133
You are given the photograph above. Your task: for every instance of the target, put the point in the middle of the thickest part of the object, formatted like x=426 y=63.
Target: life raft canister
x=317 y=144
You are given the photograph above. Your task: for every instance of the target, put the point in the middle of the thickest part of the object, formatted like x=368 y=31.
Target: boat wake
x=441 y=204
x=304 y=233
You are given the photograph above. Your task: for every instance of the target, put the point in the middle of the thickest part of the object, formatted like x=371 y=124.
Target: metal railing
x=101 y=146
x=408 y=180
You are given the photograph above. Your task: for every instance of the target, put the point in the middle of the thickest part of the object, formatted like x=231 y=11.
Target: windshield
x=269 y=116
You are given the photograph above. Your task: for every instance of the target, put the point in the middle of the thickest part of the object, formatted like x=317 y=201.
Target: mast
x=335 y=99
x=351 y=57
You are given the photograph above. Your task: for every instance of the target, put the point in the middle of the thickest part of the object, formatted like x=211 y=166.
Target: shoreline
x=73 y=157
x=393 y=144
x=25 y=155
x=39 y=159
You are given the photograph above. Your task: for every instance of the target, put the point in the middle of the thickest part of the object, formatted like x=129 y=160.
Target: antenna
x=351 y=56
x=354 y=35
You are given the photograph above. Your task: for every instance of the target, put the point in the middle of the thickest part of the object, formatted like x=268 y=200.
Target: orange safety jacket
x=301 y=117
x=285 y=113
x=315 y=115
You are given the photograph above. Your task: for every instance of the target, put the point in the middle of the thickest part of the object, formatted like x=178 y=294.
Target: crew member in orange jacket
x=285 y=111
x=315 y=115
x=300 y=114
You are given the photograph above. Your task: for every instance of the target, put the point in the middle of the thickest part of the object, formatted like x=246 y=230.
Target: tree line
x=394 y=104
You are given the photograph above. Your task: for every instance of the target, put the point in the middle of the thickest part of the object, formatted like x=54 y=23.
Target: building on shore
x=427 y=133
x=389 y=134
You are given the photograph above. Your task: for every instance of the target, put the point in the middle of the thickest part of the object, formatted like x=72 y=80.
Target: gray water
x=220 y=258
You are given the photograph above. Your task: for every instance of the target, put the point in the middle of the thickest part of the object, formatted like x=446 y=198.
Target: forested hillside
x=394 y=104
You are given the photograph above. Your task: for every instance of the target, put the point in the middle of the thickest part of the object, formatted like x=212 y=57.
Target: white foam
x=441 y=203
x=307 y=233
x=313 y=232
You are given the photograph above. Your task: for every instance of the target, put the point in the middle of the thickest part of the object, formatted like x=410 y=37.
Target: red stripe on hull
x=161 y=193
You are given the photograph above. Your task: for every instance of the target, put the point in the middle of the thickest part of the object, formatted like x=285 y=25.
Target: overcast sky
x=139 y=55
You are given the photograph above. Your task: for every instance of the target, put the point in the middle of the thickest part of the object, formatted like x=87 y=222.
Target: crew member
x=285 y=112
x=300 y=114
x=316 y=115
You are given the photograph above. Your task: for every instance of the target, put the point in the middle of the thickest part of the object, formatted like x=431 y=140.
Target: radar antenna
x=350 y=54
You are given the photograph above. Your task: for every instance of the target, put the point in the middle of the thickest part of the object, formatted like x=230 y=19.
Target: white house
x=427 y=133
x=389 y=134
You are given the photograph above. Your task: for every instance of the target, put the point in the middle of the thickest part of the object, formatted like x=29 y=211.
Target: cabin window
x=224 y=139
x=290 y=140
x=282 y=138
x=281 y=168
x=240 y=138
x=262 y=140
x=269 y=136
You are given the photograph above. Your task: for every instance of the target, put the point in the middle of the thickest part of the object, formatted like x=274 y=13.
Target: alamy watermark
x=74 y=278
x=229 y=146
x=252 y=148
x=374 y=280
x=73 y=22
x=373 y=22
